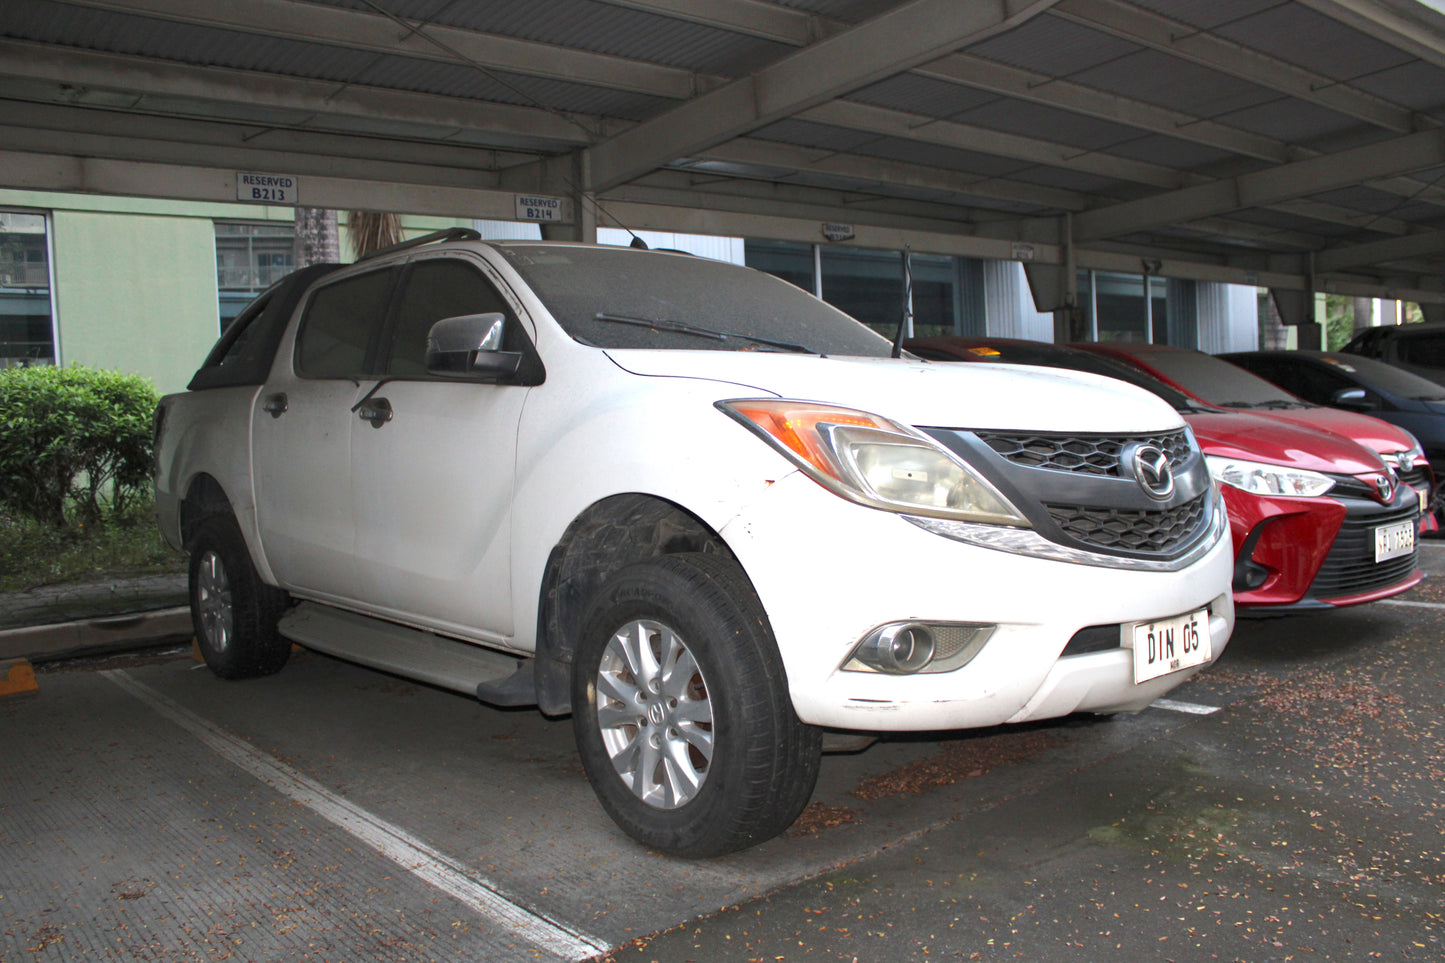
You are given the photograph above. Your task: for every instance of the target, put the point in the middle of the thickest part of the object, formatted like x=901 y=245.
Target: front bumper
x=828 y=571
x=1300 y=554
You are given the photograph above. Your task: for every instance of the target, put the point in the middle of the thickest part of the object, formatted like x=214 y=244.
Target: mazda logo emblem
x=1152 y=471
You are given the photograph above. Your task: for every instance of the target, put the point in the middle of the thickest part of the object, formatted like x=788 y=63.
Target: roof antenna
x=905 y=323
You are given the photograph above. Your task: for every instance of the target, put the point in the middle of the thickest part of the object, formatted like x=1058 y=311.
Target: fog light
x=897 y=649
x=905 y=648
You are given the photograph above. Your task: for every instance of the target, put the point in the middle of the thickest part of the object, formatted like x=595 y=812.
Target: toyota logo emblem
x=1384 y=484
x=1152 y=471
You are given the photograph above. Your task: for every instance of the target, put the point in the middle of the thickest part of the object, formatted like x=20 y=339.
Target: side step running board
x=434 y=659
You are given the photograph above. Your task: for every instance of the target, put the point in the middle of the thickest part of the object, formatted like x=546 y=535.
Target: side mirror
x=1356 y=398
x=470 y=346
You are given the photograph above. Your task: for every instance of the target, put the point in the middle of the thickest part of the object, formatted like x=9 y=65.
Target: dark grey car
x=1356 y=383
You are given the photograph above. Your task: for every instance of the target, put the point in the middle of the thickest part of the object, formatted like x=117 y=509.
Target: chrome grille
x=1416 y=475
x=1085 y=454
x=1118 y=529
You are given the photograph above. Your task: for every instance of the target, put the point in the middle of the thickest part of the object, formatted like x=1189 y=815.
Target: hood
x=1255 y=437
x=1374 y=434
x=921 y=393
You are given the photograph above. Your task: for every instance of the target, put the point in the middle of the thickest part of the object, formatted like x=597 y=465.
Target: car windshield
x=1386 y=377
x=1054 y=356
x=612 y=297
x=1219 y=382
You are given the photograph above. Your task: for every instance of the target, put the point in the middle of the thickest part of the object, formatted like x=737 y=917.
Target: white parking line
x=393 y=842
x=1417 y=605
x=1193 y=708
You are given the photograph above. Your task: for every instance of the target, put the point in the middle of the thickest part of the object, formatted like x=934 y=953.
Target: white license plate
x=1392 y=541
x=1424 y=494
x=1170 y=645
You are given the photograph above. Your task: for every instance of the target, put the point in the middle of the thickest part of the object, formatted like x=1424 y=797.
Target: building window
x=27 y=325
x=1119 y=313
x=249 y=259
x=782 y=259
x=947 y=291
x=866 y=284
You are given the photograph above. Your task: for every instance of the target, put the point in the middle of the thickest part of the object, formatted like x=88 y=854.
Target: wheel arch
x=204 y=497
x=610 y=534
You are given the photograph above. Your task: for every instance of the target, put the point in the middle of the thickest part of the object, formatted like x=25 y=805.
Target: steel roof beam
x=919 y=127
x=49 y=128
x=767 y=21
x=1413 y=27
x=1333 y=214
x=358 y=30
x=764 y=153
x=87 y=175
x=895 y=41
x=333 y=25
x=1262 y=188
x=1380 y=252
x=797 y=27
x=84 y=71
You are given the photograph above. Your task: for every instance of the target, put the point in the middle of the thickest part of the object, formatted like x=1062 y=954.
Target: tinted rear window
x=1386 y=377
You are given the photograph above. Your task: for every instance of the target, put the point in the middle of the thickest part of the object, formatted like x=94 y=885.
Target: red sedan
x=1318 y=521
x=1216 y=382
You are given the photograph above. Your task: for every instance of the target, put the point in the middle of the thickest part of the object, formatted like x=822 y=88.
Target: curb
x=91 y=636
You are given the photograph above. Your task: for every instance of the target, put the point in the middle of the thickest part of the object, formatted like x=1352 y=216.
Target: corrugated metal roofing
x=923 y=95
x=1072 y=180
x=1174 y=83
x=1293 y=224
x=965 y=162
x=1083 y=105
x=851 y=11
x=1206 y=16
x=1054 y=46
x=1416 y=85
x=1171 y=152
x=607 y=29
x=1299 y=35
x=1365 y=200
x=1290 y=120
x=805 y=133
x=1049 y=123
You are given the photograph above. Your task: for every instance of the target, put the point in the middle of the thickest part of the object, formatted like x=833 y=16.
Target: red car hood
x=1256 y=438
x=1374 y=434
x=1371 y=432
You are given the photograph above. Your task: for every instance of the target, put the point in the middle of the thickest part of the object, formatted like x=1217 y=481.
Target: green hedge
x=72 y=439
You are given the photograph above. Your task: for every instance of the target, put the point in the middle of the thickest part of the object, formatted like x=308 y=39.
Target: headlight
x=873 y=461
x=1261 y=479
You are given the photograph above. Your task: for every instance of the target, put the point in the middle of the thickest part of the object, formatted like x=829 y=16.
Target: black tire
x=233 y=612
x=733 y=700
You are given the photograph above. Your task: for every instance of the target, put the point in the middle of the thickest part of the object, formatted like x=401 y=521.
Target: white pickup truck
x=689 y=503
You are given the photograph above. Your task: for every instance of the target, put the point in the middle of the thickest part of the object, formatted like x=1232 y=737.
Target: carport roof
x=1293 y=143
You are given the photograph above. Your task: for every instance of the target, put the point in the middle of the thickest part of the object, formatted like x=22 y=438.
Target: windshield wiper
x=681 y=327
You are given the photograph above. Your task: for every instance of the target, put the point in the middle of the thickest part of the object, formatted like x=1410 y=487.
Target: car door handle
x=276 y=404
x=375 y=410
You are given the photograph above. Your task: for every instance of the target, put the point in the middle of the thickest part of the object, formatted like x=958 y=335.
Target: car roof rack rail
x=435 y=237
